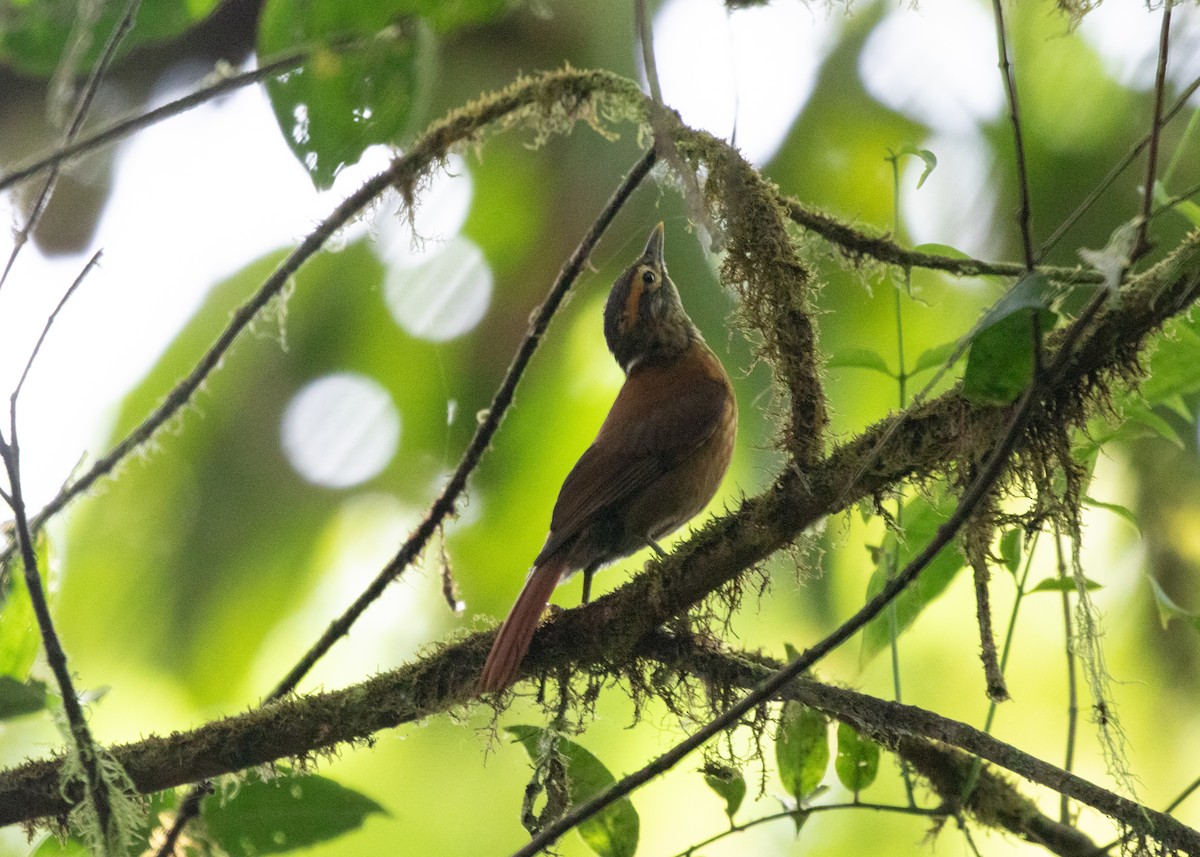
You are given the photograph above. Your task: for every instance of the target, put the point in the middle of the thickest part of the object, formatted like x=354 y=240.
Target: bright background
x=191 y=582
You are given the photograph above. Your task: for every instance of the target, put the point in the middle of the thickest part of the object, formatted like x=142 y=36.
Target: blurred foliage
x=193 y=579
x=36 y=35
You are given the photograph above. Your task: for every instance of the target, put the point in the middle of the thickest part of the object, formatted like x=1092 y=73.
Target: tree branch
x=605 y=632
x=910 y=733
x=856 y=243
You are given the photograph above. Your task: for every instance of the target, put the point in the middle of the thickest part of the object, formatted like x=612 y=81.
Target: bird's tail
x=512 y=642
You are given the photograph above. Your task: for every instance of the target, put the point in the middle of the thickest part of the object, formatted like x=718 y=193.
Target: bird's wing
x=651 y=427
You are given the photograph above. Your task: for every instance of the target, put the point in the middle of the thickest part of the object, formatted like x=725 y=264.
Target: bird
x=657 y=460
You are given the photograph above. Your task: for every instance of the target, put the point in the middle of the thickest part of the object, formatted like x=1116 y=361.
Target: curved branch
x=608 y=630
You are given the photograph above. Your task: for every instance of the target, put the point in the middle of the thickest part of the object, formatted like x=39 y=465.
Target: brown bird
x=656 y=462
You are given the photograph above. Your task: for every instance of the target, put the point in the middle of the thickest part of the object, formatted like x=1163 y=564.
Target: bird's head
x=644 y=318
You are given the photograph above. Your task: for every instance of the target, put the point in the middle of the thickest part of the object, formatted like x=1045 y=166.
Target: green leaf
x=342 y=101
x=20 y=639
x=1152 y=424
x=857 y=762
x=1168 y=609
x=34 y=35
x=52 y=847
x=1064 y=584
x=1001 y=359
x=801 y=749
x=934 y=358
x=612 y=832
x=20 y=698
x=728 y=783
x=1117 y=509
x=920 y=521
x=1187 y=209
x=925 y=155
x=1010 y=550
x=859 y=358
x=1173 y=363
x=285 y=814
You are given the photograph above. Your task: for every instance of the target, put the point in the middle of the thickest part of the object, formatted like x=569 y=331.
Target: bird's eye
x=648 y=278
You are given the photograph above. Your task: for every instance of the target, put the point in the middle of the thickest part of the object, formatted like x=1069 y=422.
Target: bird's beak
x=654 y=246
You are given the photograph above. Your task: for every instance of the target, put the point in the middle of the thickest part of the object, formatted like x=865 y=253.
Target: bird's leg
x=587 y=582
x=658 y=550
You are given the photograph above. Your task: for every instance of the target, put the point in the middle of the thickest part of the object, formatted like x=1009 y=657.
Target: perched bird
x=656 y=462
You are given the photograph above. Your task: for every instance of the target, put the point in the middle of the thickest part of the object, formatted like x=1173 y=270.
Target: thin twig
x=1113 y=174
x=96 y=788
x=447 y=500
x=997 y=688
x=899 y=809
x=123 y=128
x=81 y=111
x=1142 y=245
x=856 y=243
x=971 y=497
x=50 y=321
x=1024 y=213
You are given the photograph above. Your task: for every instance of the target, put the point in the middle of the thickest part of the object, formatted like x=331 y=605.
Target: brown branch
x=856 y=243
x=606 y=632
x=911 y=733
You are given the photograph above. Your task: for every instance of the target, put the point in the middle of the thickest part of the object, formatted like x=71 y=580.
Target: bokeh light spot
x=443 y=297
x=340 y=430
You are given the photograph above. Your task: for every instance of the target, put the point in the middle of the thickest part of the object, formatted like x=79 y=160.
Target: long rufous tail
x=512 y=642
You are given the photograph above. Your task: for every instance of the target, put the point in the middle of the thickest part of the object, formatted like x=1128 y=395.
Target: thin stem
x=813 y=810
x=81 y=110
x=858 y=243
x=1064 y=811
x=1142 y=245
x=96 y=789
x=1024 y=213
x=447 y=500
x=663 y=140
x=1010 y=632
x=902 y=384
x=1184 y=795
x=50 y=321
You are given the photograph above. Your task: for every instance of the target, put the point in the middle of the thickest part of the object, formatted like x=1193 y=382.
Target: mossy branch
x=606 y=633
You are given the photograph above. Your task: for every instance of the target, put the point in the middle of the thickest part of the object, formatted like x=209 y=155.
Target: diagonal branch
x=446 y=501
x=922 y=738
x=606 y=632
